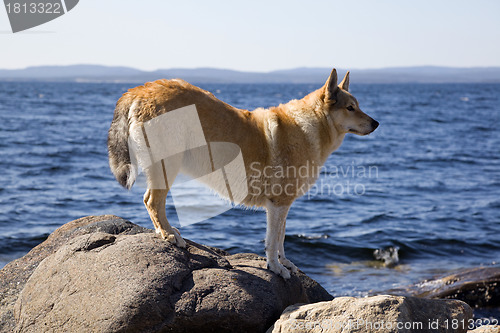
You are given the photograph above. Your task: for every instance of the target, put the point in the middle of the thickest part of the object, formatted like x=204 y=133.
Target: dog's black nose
x=374 y=124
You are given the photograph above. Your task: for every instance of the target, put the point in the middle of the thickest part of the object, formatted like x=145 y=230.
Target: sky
x=261 y=35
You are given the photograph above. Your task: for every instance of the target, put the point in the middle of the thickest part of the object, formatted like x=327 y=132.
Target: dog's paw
x=279 y=269
x=178 y=238
x=175 y=238
x=288 y=264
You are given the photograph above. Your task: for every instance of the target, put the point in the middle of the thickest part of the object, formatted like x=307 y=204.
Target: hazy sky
x=261 y=35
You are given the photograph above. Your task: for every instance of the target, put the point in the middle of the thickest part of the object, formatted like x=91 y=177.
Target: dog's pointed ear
x=345 y=83
x=331 y=87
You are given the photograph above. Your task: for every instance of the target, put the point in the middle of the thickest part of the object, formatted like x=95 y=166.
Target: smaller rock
x=478 y=287
x=381 y=314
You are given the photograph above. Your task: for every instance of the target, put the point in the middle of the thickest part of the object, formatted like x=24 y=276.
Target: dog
x=274 y=143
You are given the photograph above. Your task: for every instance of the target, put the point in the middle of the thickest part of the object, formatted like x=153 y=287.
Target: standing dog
x=274 y=143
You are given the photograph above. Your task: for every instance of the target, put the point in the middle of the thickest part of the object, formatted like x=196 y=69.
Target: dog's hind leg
x=276 y=220
x=281 y=252
x=155 y=199
x=147 y=202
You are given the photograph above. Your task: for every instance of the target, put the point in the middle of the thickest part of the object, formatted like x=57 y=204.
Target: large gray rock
x=14 y=275
x=105 y=274
x=381 y=314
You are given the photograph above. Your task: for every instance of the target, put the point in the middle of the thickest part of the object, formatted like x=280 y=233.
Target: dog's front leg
x=281 y=252
x=276 y=220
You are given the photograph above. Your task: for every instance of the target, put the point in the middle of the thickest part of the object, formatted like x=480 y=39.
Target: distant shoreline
x=109 y=74
x=201 y=83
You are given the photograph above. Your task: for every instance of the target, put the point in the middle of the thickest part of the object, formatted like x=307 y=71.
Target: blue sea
x=426 y=182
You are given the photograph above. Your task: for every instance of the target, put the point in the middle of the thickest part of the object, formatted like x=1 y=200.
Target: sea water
x=426 y=183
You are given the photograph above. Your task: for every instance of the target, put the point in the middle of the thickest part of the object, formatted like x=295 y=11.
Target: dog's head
x=343 y=109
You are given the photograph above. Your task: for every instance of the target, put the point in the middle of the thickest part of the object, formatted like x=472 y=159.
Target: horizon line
x=255 y=71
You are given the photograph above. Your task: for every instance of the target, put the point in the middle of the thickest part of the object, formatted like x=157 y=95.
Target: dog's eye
x=350 y=108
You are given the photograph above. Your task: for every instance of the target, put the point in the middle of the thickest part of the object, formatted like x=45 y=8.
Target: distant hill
x=97 y=73
x=72 y=72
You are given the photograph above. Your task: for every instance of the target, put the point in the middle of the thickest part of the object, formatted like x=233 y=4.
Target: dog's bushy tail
x=118 y=149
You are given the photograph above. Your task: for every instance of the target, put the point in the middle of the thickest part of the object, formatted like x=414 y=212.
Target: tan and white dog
x=301 y=133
